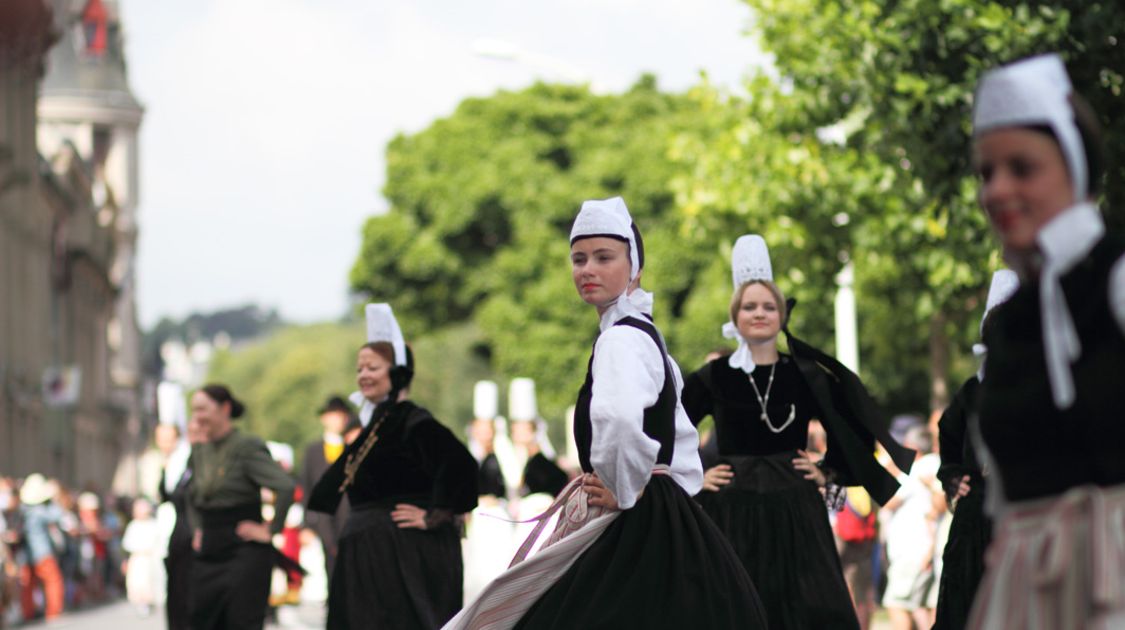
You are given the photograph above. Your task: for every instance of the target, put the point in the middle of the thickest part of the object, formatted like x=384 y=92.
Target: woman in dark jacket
x=408 y=482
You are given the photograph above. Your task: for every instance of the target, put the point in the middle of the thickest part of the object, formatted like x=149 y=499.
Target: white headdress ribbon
x=1064 y=242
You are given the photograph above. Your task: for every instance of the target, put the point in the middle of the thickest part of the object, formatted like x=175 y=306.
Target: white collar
x=176 y=465
x=1064 y=242
x=366 y=407
x=741 y=358
x=637 y=304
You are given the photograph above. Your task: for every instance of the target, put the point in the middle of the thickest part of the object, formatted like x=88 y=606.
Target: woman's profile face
x=600 y=268
x=210 y=416
x=759 y=318
x=1024 y=183
x=372 y=375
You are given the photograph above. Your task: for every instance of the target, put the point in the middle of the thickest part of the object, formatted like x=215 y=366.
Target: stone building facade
x=70 y=387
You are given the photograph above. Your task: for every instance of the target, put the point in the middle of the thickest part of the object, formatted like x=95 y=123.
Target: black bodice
x=416 y=460
x=1040 y=450
x=726 y=394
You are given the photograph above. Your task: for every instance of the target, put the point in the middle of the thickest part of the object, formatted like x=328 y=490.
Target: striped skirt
x=1057 y=563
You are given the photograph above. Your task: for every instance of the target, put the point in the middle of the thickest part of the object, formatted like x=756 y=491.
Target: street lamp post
x=847 y=336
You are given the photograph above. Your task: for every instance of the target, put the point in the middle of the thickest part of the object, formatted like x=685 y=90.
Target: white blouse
x=628 y=374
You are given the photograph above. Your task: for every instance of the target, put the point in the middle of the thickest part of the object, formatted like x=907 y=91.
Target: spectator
x=144 y=573
x=41 y=568
x=911 y=523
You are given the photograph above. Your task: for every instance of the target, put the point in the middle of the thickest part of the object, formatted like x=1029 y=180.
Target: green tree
x=897 y=78
x=481 y=206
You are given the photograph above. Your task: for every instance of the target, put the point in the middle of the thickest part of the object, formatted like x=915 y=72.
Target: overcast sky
x=262 y=144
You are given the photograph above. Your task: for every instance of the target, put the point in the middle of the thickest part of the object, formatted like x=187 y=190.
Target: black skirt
x=231 y=590
x=394 y=579
x=777 y=523
x=963 y=561
x=660 y=564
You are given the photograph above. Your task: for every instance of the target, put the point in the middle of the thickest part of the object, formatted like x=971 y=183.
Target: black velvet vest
x=1039 y=449
x=660 y=418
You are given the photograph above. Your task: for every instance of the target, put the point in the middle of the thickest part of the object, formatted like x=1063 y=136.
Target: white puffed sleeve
x=628 y=374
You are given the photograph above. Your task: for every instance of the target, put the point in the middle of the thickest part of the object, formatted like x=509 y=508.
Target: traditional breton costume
x=658 y=561
x=774 y=518
x=971 y=529
x=387 y=576
x=488 y=542
x=230 y=580
x=1050 y=411
x=172 y=513
x=540 y=479
x=319 y=455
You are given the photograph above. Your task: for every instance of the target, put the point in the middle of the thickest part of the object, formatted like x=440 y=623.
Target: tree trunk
x=939 y=363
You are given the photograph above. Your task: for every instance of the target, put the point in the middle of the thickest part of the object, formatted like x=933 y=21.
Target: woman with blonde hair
x=766 y=495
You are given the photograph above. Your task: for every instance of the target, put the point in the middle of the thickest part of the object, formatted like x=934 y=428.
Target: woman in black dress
x=963 y=479
x=766 y=496
x=1051 y=401
x=631 y=550
x=408 y=481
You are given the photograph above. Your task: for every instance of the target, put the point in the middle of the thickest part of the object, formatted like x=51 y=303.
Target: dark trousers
x=178 y=607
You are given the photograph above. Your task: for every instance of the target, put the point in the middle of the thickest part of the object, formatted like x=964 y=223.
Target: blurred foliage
x=855 y=148
x=240 y=323
x=481 y=206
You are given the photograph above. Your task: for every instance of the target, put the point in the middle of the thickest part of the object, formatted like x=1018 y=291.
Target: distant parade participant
x=963 y=479
x=631 y=550
x=409 y=481
x=541 y=479
x=172 y=513
x=334 y=414
x=766 y=495
x=1051 y=401
x=234 y=555
x=488 y=542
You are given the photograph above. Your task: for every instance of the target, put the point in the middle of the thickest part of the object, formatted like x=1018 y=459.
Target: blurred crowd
x=64 y=547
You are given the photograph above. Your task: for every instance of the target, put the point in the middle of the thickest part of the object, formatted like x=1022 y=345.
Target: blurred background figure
x=335 y=415
x=541 y=478
x=172 y=514
x=911 y=522
x=488 y=544
x=39 y=519
x=857 y=533
x=144 y=570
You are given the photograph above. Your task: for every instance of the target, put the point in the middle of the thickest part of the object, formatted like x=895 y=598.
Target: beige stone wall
x=56 y=298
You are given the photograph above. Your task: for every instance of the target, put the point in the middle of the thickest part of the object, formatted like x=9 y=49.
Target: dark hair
x=384 y=349
x=335 y=403
x=221 y=394
x=1090 y=132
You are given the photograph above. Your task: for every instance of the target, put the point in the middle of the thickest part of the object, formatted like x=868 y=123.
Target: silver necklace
x=763 y=401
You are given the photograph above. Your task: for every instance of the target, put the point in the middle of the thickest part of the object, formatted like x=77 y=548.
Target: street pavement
x=122 y=616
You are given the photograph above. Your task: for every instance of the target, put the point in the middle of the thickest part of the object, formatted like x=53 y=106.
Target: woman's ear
x=636 y=283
